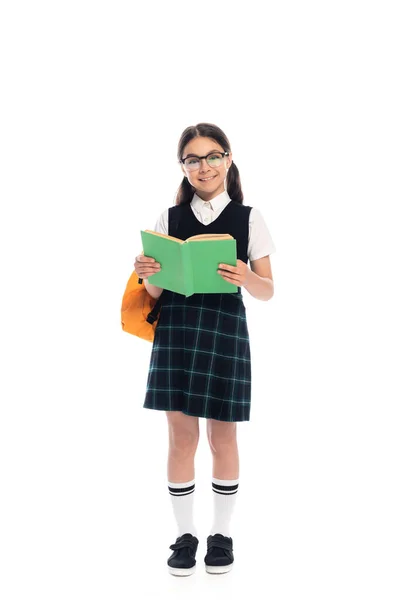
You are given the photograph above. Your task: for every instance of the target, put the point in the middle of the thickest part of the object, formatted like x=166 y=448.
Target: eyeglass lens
x=193 y=162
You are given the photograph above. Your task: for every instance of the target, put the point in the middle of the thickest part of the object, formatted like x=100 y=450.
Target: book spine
x=187 y=270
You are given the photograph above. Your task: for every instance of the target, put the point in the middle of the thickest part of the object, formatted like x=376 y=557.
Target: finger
x=145 y=259
x=145 y=274
x=226 y=272
x=228 y=268
x=231 y=278
x=147 y=267
x=151 y=270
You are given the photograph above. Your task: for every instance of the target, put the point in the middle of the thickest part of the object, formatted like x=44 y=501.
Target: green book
x=190 y=266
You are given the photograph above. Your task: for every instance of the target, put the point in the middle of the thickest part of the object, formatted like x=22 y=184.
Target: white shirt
x=260 y=240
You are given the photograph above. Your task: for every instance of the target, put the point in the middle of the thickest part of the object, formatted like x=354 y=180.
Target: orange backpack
x=139 y=310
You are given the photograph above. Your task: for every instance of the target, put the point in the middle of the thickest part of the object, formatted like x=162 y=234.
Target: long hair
x=185 y=191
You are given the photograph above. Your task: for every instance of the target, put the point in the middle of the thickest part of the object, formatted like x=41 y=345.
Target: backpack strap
x=153 y=314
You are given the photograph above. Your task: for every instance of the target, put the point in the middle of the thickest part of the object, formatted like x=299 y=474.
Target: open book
x=190 y=266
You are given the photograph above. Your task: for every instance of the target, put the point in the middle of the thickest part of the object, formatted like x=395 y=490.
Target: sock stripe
x=185 y=494
x=182 y=499
x=224 y=493
x=225 y=489
x=181 y=491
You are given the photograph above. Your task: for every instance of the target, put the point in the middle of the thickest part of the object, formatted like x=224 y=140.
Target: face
x=209 y=181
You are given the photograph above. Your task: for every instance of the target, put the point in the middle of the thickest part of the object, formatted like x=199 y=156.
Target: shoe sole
x=218 y=570
x=181 y=572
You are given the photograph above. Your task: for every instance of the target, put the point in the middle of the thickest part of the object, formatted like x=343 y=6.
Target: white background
x=94 y=98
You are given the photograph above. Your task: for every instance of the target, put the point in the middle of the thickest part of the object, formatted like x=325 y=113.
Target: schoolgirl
x=200 y=365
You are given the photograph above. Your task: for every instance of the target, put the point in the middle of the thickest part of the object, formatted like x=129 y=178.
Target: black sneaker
x=219 y=557
x=182 y=561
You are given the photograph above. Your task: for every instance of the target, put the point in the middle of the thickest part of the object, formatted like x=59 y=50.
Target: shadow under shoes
x=219 y=557
x=182 y=561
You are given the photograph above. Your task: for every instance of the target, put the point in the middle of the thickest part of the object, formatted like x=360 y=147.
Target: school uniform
x=200 y=362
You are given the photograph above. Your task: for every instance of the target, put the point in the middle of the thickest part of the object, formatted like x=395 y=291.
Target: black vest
x=234 y=219
x=182 y=223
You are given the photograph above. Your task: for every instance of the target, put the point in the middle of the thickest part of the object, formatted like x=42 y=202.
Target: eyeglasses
x=214 y=159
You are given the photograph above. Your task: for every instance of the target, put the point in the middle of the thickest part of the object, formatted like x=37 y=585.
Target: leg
x=223 y=444
x=225 y=480
x=183 y=440
x=225 y=483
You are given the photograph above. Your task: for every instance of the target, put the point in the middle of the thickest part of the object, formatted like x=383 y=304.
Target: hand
x=237 y=275
x=146 y=266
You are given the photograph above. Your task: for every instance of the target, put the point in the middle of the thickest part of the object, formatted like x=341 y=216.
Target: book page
x=209 y=236
x=164 y=235
x=204 y=260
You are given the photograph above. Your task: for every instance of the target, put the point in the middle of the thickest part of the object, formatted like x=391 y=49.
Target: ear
x=183 y=170
x=229 y=161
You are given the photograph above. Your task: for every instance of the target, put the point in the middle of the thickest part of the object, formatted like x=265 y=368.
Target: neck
x=206 y=197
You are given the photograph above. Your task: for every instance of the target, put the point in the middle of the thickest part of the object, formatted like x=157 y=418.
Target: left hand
x=237 y=275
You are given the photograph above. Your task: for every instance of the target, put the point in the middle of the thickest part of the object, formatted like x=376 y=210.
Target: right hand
x=146 y=266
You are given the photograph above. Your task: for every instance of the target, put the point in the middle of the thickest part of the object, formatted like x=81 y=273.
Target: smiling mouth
x=208 y=178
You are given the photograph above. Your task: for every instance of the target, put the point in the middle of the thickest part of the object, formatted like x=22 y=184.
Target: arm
x=259 y=282
x=153 y=290
x=144 y=267
x=161 y=226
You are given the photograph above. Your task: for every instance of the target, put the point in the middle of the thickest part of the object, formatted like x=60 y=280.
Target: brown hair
x=185 y=191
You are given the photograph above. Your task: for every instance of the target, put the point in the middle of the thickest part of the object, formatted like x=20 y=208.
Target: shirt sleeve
x=260 y=240
x=161 y=225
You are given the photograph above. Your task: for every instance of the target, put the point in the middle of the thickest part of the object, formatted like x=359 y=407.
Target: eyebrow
x=197 y=156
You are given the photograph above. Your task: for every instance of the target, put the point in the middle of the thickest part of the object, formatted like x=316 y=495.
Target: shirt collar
x=216 y=204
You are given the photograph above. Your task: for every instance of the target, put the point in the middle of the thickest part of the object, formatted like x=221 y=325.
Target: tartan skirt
x=200 y=360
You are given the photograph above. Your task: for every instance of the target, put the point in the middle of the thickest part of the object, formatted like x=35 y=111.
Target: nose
x=204 y=166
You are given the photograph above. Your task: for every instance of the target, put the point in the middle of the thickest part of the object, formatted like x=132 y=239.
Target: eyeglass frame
x=201 y=157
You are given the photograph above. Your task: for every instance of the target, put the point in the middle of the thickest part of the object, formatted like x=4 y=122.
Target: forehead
x=201 y=146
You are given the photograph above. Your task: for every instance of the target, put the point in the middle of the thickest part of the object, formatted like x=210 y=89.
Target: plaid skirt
x=200 y=360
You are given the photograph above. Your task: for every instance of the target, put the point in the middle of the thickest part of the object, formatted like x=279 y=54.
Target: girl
x=200 y=361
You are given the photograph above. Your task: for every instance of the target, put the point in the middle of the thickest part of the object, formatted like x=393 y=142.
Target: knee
x=183 y=441
x=221 y=438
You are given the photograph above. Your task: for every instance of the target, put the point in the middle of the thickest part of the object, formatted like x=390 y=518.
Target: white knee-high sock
x=225 y=493
x=182 y=496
